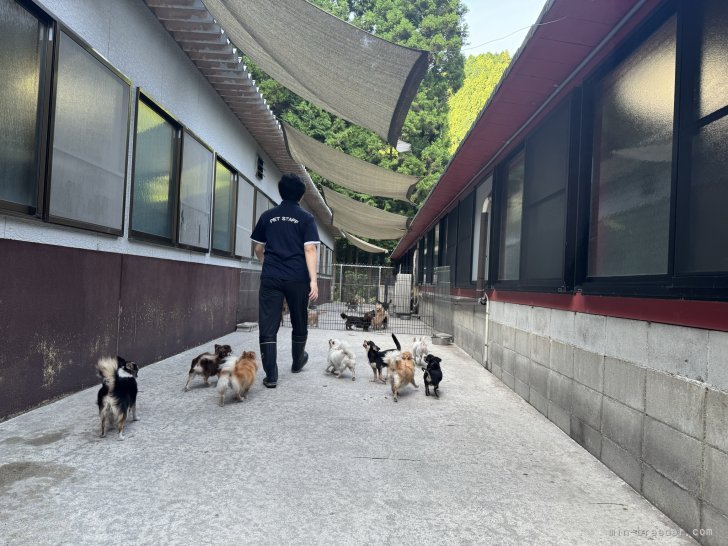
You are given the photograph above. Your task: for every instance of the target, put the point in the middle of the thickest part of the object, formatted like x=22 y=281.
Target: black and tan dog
x=432 y=374
x=208 y=364
x=377 y=357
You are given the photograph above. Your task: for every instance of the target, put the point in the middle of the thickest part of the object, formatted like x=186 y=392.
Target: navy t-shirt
x=284 y=230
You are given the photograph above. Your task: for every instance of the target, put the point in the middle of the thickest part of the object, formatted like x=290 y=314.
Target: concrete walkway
x=318 y=460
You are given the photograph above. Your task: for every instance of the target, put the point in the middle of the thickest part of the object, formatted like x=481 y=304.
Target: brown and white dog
x=237 y=374
x=208 y=364
x=401 y=371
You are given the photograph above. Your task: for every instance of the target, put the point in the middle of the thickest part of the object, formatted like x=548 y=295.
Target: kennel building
x=131 y=173
x=587 y=205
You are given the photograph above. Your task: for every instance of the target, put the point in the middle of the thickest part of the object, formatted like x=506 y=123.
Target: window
x=452 y=242
x=259 y=167
x=224 y=218
x=466 y=211
x=195 y=196
x=436 y=245
x=421 y=261
x=246 y=200
x=90 y=133
x=430 y=256
x=632 y=161
x=23 y=42
x=154 y=192
x=702 y=223
x=510 y=245
x=480 y=229
x=261 y=205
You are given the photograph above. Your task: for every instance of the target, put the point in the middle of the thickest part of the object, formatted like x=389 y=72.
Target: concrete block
x=625 y=382
x=715 y=488
x=626 y=340
x=559 y=417
x=523 y=317
x=509 y=314
x=538 y=378
x=562 y=358
x=522 y=389
x=715 y=527
x=523 y=343
x=587 y=405
x=716 y=419
x=622 y=463
x=495 y=354
x=589 y=369
x=508 y=379
x=622 y=425
x=538 y=401
x=559 y=391
x=675 y=502
x=586 y=436
x=508 y=334
x=562 y=326
x=523 y=364
x=718 y=359
x=494 y=332
x=496 y=371
x=591 y=332
x=509 y=361
x=541 y=321
x=540 y=349
x=676 y=402
x=674 y=454
x=678 y=349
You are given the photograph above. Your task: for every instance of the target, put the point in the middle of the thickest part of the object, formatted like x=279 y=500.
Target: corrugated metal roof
x=206 y=44
x=572 y=37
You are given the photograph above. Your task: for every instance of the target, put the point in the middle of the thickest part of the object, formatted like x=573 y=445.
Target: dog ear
x=120 y=361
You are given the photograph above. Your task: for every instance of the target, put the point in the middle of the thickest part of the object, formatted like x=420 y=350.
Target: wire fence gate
x=372 y=299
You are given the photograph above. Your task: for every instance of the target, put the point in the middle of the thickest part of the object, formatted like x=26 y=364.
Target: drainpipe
x=483 y=300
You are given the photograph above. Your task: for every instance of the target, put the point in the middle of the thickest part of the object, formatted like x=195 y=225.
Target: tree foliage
x=482 y=74
x=433 y=25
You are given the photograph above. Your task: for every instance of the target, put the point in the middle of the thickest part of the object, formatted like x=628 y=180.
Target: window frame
x=185 y=132
x=252 y=218
x=232 y=223
x=136 y=235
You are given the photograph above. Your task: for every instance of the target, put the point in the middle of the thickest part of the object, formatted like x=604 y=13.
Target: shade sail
x=345 y=170
x=364 y=220
x=363 y=245
x=349 y=72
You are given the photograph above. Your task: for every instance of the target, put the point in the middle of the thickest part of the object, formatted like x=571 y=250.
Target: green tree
x=482 y=74
x=433 y=25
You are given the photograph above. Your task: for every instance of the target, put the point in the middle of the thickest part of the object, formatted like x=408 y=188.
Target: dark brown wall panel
x=58 y=315
x=169 y=306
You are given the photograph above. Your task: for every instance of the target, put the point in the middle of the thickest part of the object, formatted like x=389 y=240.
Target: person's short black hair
x=291 y=187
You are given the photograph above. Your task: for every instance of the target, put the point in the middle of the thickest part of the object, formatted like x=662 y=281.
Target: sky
x=490 y=20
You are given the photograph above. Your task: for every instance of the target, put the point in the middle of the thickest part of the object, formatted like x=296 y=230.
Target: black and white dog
x=432 y=374
x=377 y=358
x=118 y=393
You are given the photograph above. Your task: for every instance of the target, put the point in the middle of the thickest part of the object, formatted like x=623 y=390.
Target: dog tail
x=396 y=342
x=107 y=368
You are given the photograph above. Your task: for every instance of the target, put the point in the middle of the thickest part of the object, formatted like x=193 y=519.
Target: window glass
x=89 y=140
x=21 y=64
x=261 y=205
x=544 y=206
x=632 y=164
x=480 y=244
x=465 y=240
x=195 y=193
x=153 y=195
x=510 y=247
x=246 y=197
x=713 y=79
x=224 y=209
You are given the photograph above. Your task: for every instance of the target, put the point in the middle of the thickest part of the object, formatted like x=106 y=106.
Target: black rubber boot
x=300 y=357
x=268 y=354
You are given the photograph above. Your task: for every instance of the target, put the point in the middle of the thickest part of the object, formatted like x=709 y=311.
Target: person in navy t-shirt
x=286 y=241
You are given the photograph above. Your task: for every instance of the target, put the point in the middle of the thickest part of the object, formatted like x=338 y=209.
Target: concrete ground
x=318 y=460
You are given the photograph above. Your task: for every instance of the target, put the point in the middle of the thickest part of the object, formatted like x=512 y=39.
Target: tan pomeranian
x=401 y=371
x=238 y=374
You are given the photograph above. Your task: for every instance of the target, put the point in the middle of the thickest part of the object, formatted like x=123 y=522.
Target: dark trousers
x=270 y=306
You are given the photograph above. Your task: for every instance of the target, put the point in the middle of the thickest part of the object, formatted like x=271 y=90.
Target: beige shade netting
x=344 y=70
x=345 y=170
x=364 y=220
x=363 y=245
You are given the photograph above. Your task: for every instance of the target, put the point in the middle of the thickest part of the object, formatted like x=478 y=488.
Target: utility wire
x=514 y=32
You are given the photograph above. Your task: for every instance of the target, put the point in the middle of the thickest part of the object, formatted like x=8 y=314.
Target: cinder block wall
x=649 y=400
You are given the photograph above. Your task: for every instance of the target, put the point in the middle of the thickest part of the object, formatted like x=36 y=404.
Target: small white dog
x=420 y=351
x=340 y=357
